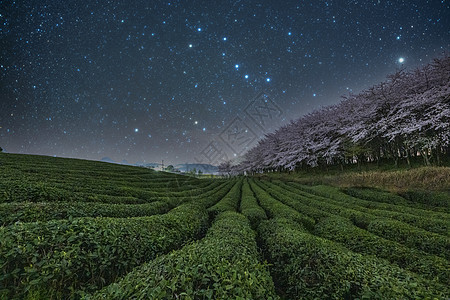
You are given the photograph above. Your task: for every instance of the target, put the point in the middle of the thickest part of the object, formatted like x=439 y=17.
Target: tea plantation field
x=75 y=229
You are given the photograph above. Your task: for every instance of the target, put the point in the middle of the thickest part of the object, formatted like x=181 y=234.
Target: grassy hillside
x=76 y=229
x=397 y=180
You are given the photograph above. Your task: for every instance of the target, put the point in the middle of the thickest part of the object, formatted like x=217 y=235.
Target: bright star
x=236 y=66
x=136 y=130
x=401 y=60
x=224 y=38
x=268 y=79
x=190 y=45
x=246 y=76
x=199 y=29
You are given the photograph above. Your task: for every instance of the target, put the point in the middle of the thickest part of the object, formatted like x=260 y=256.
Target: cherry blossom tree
x=405 y=116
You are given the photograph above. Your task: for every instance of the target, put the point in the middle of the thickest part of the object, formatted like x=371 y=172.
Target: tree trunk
x=407 y=158
x=425 y=156
x=438 y=157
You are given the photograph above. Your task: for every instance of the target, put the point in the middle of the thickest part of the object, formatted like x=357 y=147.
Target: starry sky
x=152 y=80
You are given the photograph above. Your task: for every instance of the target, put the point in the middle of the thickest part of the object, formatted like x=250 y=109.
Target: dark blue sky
x=152 y=80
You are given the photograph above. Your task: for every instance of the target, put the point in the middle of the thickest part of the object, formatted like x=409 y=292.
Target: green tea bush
x=358 y=240
x=275 y=208
x=51 y=260
x=250 y=207
x=228 y=203
x=412 y=237
x=376 y=195
x=432 y=198
x=44 y=179
x=224 y=265
x=299 y=203
x=394 y=230
x=308 y=267
x=335 y=194
x=428 y=220
x=45 y=211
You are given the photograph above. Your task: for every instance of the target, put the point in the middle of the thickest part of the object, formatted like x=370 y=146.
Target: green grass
x=73 y=229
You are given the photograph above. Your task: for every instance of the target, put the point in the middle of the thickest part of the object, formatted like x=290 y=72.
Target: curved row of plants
x=334 y=193
x=47 y=179
x=223 y=265
x=25 y=191
x=61 y=257
x=307 y=266
x=343 y=231
x=437 y=222
x=250 y=207
x=387 y=228
x=45 y=211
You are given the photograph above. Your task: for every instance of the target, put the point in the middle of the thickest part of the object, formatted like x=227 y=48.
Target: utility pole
x=162 y=165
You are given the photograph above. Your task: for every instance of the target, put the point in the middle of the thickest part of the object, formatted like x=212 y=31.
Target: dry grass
x=424 y=178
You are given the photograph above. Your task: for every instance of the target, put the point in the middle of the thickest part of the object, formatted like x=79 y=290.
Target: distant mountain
x=147 y=165
x=205 y=168
x=108 y=160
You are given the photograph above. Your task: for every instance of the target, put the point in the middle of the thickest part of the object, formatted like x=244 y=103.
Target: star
x=164 y=66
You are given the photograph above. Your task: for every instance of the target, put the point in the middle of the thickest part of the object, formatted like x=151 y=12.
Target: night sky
x=182 y=80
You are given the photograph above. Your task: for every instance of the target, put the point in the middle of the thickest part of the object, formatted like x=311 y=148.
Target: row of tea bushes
x=228 y=203
x=274 y=207
x=387 y=228
x=359 y=240
x=25 y=191
x=223 y=265
x=250 y=207
x=45 y=211
x=56 y=258
x=437 y=224
x=376 y=195
x=335 y=194
x=309 y=267
x=431 y=198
